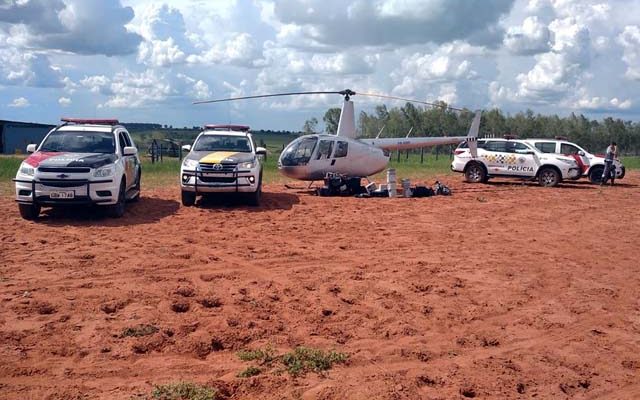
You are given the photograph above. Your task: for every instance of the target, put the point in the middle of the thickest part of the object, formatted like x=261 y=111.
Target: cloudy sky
x=147 y=61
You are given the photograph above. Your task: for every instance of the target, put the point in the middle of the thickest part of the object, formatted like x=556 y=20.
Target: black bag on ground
x=441 y=189
x=423 y=191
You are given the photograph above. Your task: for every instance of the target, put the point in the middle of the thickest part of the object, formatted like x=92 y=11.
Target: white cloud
x=531 y=38
x=131 y=90
x=19 y=102
x=629 y=39
x=378 y=23
x=64 y=101
x=160 y=53
x=76 y=26
x=197 y=89
x=26 y=68
x=241 y=49
x=96 y=84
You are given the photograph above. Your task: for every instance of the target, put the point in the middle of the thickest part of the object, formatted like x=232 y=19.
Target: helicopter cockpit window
x=341 y=149
x=299 y=152
x=324 y=149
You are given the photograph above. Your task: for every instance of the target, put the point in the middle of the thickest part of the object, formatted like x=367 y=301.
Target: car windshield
x=80 y=142
x=223 y=143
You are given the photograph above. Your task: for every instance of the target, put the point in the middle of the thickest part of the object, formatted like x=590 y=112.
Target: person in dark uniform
x=609 y=168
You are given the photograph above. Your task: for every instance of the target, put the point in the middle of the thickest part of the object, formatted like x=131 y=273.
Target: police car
x=80 y=162
x=512 y=158
x=591 y=166
x=223 y=159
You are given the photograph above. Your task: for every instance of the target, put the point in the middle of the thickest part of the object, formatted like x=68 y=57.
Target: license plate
x=67 y=194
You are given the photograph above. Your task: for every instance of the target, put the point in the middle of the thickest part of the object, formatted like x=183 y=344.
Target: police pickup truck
x=80 y=162
x=512 y=158
x=591 y=165
x=223 y=159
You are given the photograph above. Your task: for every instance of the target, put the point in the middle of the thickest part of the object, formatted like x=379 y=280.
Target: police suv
x=512 y=158
x=80 y=162
x=591 y=165
x=223 y=159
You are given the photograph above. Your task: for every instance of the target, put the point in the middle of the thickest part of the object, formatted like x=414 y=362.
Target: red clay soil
x=505 y=290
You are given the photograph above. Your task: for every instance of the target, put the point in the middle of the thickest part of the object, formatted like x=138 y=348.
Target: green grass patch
x=297 y=362
x=184 y=391
x=265 y=356
x=249 y=372
x=306 y=359
x=631 y=162
x=139 y=330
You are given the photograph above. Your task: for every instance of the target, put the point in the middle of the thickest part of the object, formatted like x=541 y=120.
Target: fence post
x=180 y=151
x=160 y=152
x=399 y=155
x=421 y=155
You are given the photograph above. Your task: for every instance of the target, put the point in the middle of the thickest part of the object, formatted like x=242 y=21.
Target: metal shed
x=15 y=135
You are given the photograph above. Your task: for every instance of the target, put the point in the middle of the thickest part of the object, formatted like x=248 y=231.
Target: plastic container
x=406 y=187
x=391 y=182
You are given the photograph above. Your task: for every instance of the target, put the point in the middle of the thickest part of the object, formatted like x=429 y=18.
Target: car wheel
x=254 y=198
x=548 y=177
x=29 y=212
x=188 y=198
x=475 y=173
x=595 y=175
x=622 y=172
x=117 y=210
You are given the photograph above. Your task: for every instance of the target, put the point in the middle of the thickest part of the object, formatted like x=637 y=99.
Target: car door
x=128 y=161
x=522 y=160
x=494 y=157
x=571 y=150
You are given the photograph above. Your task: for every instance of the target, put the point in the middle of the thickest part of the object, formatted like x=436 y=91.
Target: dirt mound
x=505 y=290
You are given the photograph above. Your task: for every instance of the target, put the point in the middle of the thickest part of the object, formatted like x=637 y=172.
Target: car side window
x=496 y=145
x=123 y=142
x=341 y=149
x=566 y=148
x=127 y=138
x=546 y=147
x=519 y=148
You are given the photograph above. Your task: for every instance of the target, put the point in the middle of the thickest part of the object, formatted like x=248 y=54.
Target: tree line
x=594 y=135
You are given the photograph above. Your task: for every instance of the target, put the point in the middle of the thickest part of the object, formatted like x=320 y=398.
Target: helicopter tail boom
x=406 y=143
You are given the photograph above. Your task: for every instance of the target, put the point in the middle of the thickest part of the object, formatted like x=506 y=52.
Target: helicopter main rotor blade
x=259 y=96
x=383 y=96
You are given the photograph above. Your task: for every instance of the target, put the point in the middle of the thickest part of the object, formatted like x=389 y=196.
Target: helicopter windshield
x=299 y=151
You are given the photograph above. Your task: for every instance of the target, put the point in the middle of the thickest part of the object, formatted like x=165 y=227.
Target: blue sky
x=147 y=61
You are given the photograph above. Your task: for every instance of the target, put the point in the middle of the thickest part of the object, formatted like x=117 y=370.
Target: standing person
x=609 y=168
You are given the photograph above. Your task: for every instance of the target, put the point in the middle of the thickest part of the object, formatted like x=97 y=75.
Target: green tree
x=310 y=126
x=331 y=119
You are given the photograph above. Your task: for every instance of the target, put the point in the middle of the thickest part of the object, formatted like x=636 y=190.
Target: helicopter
x=312 y=157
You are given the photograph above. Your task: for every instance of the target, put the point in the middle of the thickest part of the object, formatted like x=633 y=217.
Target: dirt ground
x=505 y=290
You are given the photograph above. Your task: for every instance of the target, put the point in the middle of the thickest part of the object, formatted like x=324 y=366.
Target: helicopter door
x=322 y=159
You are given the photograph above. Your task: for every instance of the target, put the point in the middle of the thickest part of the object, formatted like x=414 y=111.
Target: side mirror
x=186 y=147
x=261 y=151
x=581 y=153
x=31 y=148
x=130 y=151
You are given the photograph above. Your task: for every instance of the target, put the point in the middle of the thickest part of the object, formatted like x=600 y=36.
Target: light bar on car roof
x=90 y=121
x=242 y=128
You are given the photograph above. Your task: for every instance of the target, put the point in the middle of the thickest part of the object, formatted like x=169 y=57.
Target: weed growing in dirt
x=139 y=330
x=297 y=362
x=184 y=391
x=305 y=359
x=249 y=372
x=265 y=356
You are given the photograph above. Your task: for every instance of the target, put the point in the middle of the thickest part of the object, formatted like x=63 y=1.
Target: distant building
x=15 y=136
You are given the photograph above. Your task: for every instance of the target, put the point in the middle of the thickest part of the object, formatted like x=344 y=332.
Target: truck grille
x=71 y=170
x=217 y=179
x=222 y=168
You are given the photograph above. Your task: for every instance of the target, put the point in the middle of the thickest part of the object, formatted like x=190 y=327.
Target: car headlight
x=189 y=164
x=27 y=169
x=568 y=161
x=104 y=172
x=247 y=165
